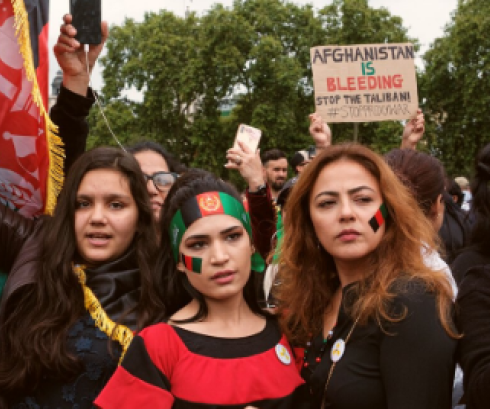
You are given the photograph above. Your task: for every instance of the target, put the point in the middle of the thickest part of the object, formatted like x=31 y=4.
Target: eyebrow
x=111 y=196
x=223 y=232
x=350 y=191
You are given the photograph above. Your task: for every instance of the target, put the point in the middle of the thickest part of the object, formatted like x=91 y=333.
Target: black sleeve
x=417 y=355
x=70 y=115
x=15 y=229
x=474 y=347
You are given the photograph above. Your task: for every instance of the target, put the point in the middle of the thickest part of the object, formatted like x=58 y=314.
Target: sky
x=425 y=19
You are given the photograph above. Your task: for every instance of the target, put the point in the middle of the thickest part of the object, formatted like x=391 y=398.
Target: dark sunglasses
x=163 y=181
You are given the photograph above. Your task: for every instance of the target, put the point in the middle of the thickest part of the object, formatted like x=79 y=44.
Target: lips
x=348 y=235
x=98 y=238
x=155 y=205
x=223 y=277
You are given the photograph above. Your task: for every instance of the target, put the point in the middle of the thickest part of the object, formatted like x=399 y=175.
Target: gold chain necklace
x=116 y=332
x=335 y=362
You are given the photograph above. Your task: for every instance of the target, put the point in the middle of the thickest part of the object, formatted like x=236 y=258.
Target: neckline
x=266 y=328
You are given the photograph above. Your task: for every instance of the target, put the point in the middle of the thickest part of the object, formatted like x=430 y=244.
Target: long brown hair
x=38 y=316
x=307 y=272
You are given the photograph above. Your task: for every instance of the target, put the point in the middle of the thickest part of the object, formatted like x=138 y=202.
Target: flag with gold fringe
x=31 y=154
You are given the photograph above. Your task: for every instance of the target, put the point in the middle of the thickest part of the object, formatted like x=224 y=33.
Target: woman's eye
x=234 y=236
x=197 y=245
x=116 y=205
x=364 y=199
x=82 y=204
x=326 y=203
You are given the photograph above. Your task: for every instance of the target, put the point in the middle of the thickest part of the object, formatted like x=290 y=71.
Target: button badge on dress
x=337 y=351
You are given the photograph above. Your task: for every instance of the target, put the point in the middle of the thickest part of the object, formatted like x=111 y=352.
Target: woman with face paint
x=374 y=321
x=217 y=348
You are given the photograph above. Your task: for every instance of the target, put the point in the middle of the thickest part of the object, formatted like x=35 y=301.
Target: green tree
x=256 y=51
x=456 y=87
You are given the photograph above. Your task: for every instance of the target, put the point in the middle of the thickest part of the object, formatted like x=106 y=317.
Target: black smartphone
x=87 y=16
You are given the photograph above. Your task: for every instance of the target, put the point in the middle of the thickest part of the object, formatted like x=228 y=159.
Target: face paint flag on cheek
x=193 y=264
x=379 y=218
x=203 y=205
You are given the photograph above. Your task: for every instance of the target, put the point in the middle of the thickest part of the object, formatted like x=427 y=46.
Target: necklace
x=321 y=352
x=334 y=361
x=116 y=332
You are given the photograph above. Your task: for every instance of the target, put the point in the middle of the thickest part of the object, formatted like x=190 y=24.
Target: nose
x=150 y=187
x=346 y=211
x=219 y=254
x=98 y=215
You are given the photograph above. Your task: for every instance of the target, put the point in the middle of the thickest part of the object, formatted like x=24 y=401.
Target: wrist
x=256 y=186
x=76 y=83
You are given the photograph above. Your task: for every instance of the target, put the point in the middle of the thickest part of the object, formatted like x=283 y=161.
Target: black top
x=412 y=367
x=474 y=348
x=467 y=259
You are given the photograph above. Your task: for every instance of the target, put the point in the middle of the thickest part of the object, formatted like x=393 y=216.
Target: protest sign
x=364 y=83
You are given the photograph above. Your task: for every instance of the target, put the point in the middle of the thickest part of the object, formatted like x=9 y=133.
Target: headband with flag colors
x=378 y=219
x=210 y=204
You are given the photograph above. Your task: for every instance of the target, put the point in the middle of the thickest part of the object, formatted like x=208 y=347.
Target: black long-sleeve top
x=474 y=347
x=410 y=367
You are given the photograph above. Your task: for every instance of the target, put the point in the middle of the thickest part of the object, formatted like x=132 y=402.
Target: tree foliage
x=456 y=87
x=256 y=51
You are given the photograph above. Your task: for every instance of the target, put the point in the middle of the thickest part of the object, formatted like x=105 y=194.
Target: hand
x=71 y=56
x=248 y=163
x=320 y=131
x=413 y=131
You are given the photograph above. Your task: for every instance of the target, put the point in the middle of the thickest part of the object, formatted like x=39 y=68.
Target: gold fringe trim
x=55 y=149
x=119 y=333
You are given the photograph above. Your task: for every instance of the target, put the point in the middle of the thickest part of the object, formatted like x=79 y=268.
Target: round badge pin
x=283 y=354
x=337 y=350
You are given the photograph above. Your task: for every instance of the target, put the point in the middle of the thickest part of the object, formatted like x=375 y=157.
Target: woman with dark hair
x=473 y=269
x=375 y=321
x=218 y=347
x=425 y=177
x=76 y=279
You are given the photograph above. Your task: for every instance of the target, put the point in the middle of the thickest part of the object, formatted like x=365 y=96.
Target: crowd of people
x=362 y=282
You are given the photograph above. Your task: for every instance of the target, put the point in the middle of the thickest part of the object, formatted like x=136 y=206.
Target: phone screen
x=86 y=19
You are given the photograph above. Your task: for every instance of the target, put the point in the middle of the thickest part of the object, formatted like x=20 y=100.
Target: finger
x=67 y=18
x=68 y=41
x=231 y=165
x=105 y=31
x=68 y=30
x=244 y=147
x=60 y=49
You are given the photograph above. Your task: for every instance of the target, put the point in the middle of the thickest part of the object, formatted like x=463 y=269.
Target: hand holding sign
x=413 y=131
x=364 y=83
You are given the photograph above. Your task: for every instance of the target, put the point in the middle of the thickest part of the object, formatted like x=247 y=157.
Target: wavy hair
x=177 y=290
x=307 y=272
x=38 y=317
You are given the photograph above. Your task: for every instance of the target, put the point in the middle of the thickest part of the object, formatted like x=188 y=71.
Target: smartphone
x=87 y=17
x=248 y=135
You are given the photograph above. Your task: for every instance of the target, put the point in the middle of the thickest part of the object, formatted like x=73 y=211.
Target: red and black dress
x=170 y=367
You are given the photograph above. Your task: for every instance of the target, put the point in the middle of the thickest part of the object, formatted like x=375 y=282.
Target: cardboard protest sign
x=364 y=83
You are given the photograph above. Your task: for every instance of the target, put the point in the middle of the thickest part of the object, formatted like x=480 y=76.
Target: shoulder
x=476 y=279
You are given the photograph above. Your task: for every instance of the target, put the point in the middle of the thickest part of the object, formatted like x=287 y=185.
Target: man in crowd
x=275 y=170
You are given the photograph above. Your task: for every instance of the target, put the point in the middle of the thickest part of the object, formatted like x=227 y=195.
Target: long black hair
x=177 y=291
x=144 y=146
x=39 y=315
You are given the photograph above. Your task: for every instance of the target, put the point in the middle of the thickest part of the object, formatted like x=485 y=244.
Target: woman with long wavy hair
x=374 y=320
x=77 y=279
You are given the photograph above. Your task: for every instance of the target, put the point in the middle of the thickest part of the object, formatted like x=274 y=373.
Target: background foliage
x=258 y=53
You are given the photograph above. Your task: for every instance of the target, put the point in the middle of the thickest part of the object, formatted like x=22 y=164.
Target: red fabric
x=24 y=160
x=144 y=396
x=228 y=381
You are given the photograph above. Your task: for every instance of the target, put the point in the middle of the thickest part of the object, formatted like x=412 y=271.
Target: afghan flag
x=31 y=157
